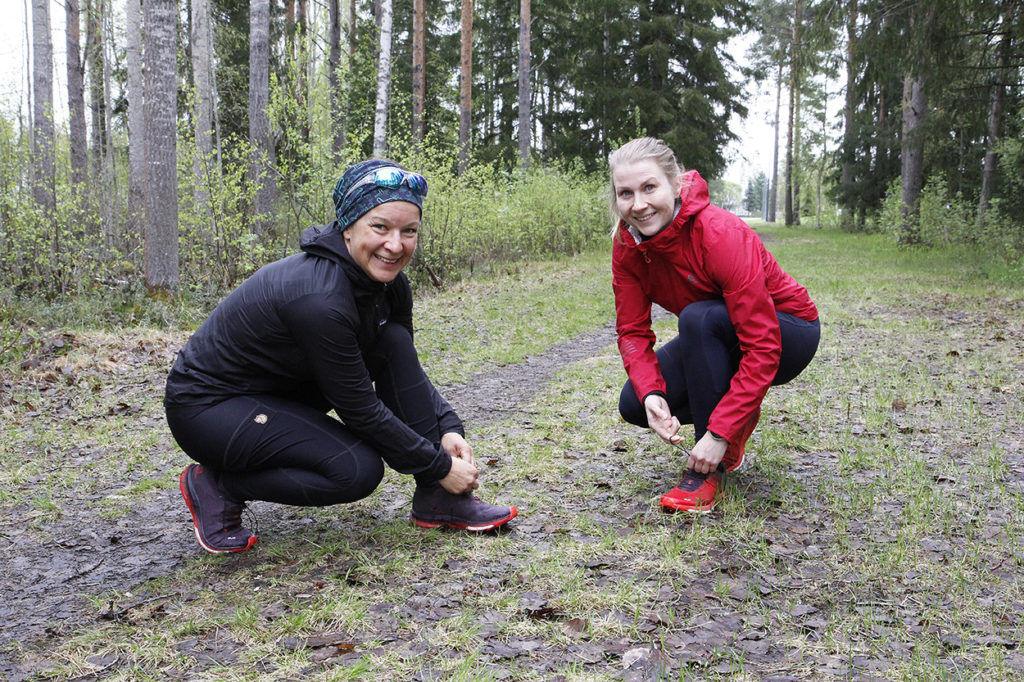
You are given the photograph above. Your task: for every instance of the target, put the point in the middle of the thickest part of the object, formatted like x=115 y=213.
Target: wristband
x=716 y=436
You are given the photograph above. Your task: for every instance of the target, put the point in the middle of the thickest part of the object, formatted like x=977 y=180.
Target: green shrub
x=487 y=216
x=943 y=217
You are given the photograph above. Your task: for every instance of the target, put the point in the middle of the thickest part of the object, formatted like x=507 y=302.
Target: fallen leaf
x=574 y=627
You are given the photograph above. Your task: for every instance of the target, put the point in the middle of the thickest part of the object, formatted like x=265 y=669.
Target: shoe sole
x=183 y=486
x=472 y=528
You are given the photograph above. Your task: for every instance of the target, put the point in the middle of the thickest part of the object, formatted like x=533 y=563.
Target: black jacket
x=300 y=327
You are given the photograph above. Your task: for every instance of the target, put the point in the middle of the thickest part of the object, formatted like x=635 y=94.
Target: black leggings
x=281 y=449
x=699 y=364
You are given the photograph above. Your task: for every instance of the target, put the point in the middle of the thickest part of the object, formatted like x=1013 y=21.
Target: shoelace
x=692 y=480
x=233 y=522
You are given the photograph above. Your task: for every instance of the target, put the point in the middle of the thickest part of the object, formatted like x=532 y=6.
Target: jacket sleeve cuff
x=650 y=393
x=440 y=467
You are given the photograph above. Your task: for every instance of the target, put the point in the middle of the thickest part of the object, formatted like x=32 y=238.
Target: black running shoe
x=434 y=507
x=217 y=519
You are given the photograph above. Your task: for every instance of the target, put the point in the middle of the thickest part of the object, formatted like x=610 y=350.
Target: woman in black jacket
x=328 y=328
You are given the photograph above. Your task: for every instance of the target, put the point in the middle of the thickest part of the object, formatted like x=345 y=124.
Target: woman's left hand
x=456 y=446
x=707 y=453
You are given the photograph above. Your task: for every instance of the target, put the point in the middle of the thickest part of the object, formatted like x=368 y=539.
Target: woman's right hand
x=462 y=478
x=660 y=419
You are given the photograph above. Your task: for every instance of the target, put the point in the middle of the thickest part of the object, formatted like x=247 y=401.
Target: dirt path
x=53 y=567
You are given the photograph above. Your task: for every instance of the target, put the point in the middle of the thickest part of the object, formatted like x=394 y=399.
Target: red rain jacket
x=705 y=253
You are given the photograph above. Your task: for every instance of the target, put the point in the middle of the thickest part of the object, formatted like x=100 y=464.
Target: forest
x=190 y=141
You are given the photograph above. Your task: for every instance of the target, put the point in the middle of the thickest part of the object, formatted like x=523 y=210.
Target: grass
x=877 y=531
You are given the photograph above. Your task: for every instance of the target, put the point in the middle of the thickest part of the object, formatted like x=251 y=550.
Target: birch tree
x=380 y=119
x=136 y=116
x=161 y=111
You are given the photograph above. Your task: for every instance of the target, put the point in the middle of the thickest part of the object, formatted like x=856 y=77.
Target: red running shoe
x=696 y=493
x=733 y=459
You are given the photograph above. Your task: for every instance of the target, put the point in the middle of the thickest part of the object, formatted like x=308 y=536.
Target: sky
x=747 y=157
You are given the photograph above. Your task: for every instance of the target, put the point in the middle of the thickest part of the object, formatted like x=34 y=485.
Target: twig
x=96 y=673
x=118 y=615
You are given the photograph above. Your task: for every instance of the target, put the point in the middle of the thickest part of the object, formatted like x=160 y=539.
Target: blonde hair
x=634 y=151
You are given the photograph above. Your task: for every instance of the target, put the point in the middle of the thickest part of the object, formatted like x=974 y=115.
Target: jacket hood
x=328 y=241
x=694 y=195
x=693 y=199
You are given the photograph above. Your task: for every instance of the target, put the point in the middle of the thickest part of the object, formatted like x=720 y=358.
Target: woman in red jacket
x=744 y=324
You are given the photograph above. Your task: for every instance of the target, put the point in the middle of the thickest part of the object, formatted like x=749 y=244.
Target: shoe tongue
x=692 y=480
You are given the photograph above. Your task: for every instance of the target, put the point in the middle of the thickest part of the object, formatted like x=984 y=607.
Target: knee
x=703 y=317
x=368 y=477
x=355 y=484
x=394 y=338
x=630 y=408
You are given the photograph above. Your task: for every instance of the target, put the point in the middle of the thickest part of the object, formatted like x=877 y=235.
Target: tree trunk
x=161 y=185
x=76 y=95
x=419 y=58
x=43 y=187
x=300 y=50
x=797 y=163
x=259 y=120
x=821 y=170
x=794 y=84
x=995 y=117
x=28 y=76
x=380 y=118
x=202 y=73
x=136 y=118
x=915 y=105
x=465 y=85
x=110 y=215
x=351 y=4
x=774 y=189
x=525 y=126
x=846 y=177
x=337 y=121
x=97 y=102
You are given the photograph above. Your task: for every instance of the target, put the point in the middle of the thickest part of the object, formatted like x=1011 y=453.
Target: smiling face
x=383 y=239
x=644 y=196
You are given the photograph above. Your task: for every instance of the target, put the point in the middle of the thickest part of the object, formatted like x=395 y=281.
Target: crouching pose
x=327 y=328
x=744 y=324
